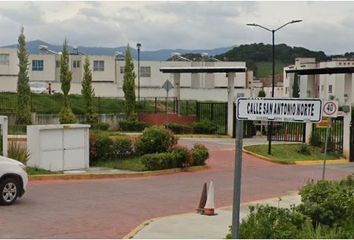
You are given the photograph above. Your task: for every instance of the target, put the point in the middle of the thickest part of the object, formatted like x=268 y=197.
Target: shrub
x=105 y=148
x=66 y=116
x=179 y=128
x=18 y=152
x=328 y=203
x=132 y=126
x=122 y=147
x=182 y=156
x=204 y=127
x=159 y=161
x=100 y=126
x=315 y=140
x=304 y=149
x=155 y=140
x=271 y=222
x=199 y=154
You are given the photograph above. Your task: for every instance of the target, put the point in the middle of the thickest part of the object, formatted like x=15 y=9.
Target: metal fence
x=335 y=138
x=288 y=132
x=213 y=112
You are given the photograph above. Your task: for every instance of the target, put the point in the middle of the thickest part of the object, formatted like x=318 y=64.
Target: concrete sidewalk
x=193 y=225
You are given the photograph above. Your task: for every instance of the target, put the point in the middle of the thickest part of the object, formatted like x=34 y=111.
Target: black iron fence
x=213 y=112
x=335 y=137
x=288 y=132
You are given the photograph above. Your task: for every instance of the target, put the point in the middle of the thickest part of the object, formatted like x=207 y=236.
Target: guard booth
x=231 y=73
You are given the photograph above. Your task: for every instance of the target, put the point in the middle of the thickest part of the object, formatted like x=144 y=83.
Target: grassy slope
x=288 y=152
x=264 y=69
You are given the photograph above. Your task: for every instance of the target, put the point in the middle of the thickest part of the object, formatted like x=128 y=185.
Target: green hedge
x=179 y=128
x=104 y=148
x=326 y=211
x=132 y=126
x=155 y=140
x=199 y=155
x=204 y=127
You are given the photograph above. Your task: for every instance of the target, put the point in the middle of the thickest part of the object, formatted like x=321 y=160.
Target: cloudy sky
x=326 y=26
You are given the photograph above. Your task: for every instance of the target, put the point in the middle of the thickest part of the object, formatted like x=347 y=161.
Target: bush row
x=326 y=211
x=177 y=157
x=202 y=127
x=157 y=146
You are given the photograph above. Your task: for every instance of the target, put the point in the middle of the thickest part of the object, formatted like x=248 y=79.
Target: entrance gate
x=215 y=113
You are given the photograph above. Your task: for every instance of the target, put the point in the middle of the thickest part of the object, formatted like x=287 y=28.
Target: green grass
x=52 y=104
x=288 y=153
x=130 y=163
x=39 y=171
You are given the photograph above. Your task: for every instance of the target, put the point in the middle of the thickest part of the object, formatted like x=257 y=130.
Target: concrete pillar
x=177 y=90
x=4 y=128
x=308 y=127
x=230 y=102
x=346 y=134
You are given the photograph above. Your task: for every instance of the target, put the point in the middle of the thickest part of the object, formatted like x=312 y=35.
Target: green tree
x=129 y=86
x=261 y=93
x=23 y=114
x=88 y=93
x=296 y=89
x=66 y=115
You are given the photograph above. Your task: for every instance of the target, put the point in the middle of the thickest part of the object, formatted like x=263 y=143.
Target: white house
x=108 y=75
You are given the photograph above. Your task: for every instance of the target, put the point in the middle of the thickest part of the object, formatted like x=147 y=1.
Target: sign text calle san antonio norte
x=279 y=109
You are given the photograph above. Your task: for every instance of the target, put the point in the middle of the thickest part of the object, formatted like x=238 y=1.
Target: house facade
x=108 y=76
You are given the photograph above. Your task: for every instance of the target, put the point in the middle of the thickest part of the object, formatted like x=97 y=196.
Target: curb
x=315 y=162
x=303 y=162
x=87 y=176
x=263 y=157
x=138 y=228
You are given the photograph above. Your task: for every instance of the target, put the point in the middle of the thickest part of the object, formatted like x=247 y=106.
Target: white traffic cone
x=209 y=205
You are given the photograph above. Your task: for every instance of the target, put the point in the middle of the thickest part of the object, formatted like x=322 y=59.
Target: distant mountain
x=158 y=55
x=258 y=56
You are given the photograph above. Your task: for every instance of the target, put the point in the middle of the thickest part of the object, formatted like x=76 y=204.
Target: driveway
x=110 y=208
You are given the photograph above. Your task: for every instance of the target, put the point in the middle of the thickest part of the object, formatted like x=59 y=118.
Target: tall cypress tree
x=129 y=86
x=23 y=111
x=66 y=115
x=88 y=93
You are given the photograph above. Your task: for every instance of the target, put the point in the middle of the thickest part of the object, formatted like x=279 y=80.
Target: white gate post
x=4 y=127
x=230 y=102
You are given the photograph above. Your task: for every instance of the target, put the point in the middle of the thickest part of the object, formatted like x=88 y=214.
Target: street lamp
x=270 y=127
x=138 y=45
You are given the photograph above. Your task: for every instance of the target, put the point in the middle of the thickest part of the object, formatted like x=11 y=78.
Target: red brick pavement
x=110 y=208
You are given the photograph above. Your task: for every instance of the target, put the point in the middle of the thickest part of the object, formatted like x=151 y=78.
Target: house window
x=76 y=64
x=4 y=59
x=122 y=69
x=37 y=65
x=322 y=88
x=98 y=65
x=286 y=90
x=57 y=64
x=145 y=71
x=330 y=88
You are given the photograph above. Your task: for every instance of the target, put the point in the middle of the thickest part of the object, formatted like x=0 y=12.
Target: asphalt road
x=110 y=208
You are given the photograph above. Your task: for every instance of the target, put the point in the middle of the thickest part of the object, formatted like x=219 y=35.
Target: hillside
x=258 y=56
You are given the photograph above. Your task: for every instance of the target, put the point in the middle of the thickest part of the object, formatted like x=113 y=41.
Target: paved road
x=111 y=208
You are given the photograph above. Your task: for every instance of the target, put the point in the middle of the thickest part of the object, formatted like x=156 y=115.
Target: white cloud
x=326 y=25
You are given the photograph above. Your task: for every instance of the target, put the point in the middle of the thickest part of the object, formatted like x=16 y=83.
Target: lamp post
x=270 y=126
x=138 y=45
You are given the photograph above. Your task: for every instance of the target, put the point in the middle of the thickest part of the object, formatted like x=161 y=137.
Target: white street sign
x=279 y=109
x=330 y=109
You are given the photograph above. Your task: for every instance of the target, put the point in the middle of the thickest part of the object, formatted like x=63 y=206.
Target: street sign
x=167 y=85
x=279 y=109
x=330 y=109
x=325 y=123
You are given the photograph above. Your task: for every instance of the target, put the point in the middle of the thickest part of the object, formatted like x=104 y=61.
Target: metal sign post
x=325 y=149
x=167 y=86
x=237 y=180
